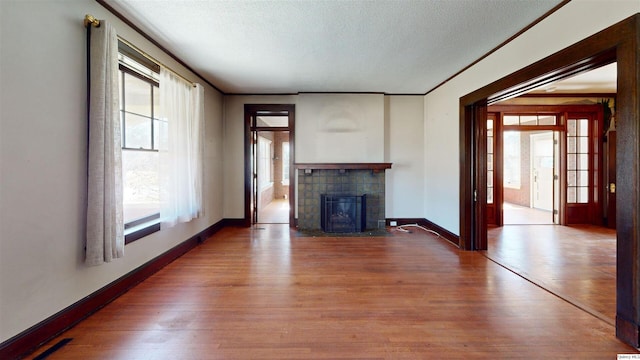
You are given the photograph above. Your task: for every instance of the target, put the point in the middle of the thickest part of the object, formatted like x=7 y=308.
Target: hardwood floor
x=522 y=215
x=577 y=263
x=276 y=212
x=248 y=293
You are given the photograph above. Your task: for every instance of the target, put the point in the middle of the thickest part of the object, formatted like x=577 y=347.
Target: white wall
x=570 y=24
x=340 y=128
x=370 y=128
x=43 y=163
x=404 y=124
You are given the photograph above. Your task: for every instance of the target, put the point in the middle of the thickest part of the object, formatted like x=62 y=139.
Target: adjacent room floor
x=577 y=263
x=261 y=293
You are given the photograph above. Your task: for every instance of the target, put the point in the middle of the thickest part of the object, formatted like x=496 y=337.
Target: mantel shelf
x=343 y=166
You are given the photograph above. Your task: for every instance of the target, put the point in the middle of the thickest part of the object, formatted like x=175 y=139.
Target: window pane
x=511 y=120
x=583 y=178
x=140 y=184
x=121 y=98
x=571 y=127
x=490 y=162
x=511 y=165
x=547 y=120
x=571 y=178
x=571 y=162
x=583 y=161
x=571 y=145
x=583 y=145
x=490 y=145
x=583 y=195
x=490 y=196
x=138 y=95
x=272 y=121
x=571 y=195
x=137 y=132
x=285 y=161
x=529 y=120
x=583 y=127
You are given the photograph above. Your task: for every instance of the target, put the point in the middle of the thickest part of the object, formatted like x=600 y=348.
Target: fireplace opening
x=343 y=213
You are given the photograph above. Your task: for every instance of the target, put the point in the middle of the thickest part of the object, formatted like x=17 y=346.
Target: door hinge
x=555 y=212
x=475 y=195
x=555 y=177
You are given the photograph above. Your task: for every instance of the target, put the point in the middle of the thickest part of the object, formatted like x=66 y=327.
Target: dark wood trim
x=628 y=177
x=617 y=43
x=154 y=42
x=448 y=235
x=444 y=233
x=249 y=110
x=563 y=3
x=343 y=166
x=235 y=222
x=541 y=109
x=341 y=92
x=569 y=95
x=30 y=339
x=325 y=93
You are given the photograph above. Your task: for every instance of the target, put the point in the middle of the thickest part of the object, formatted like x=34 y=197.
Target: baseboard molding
x=237 y=222
x=446 y=234
x=30 y=339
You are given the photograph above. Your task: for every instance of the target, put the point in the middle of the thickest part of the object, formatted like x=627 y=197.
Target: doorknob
x=612 y=188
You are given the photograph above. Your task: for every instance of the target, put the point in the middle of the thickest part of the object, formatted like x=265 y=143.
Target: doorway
x=271 y=151
x=529 y=169
x=618 y=43
x=269 y=158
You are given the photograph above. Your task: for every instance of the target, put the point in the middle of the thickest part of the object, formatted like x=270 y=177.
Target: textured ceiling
x=274 y=46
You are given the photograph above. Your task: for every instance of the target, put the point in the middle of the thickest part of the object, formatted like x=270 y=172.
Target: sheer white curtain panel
x=181 y=149
x=105 y=238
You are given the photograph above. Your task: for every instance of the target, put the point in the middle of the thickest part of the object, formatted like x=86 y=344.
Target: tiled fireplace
x=316 y=180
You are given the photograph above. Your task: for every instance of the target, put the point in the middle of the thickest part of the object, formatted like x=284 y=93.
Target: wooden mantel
x=343 y=166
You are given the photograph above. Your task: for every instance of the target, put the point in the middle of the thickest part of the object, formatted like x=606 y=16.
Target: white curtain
x=181 y=149
x=105 y=239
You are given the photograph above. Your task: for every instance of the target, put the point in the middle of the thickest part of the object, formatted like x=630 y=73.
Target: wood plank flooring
x=578 y=262
x=276 y=212
x=272 y=294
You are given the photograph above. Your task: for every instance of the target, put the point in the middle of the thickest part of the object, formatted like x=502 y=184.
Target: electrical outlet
x=393 y=223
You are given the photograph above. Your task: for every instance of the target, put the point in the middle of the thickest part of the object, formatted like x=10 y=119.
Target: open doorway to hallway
x=268 y=164
x=272 y=192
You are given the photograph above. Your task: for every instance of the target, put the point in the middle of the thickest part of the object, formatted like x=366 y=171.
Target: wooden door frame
x=249 y=111
x=618 y=43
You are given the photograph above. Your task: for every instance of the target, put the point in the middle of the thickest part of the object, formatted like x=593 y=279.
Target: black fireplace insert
x=343 y=213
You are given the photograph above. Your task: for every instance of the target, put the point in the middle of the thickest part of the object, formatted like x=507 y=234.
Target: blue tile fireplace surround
x=363 y=182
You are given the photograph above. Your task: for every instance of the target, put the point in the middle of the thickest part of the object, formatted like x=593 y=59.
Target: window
x=529 y=120
x=490 y=142
x=265 y=154
x=138 y=107
x=511 y=140
x=285 y=163
x=578 y=161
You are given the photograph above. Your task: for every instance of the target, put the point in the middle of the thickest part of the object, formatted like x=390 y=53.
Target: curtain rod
x=91 y=20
